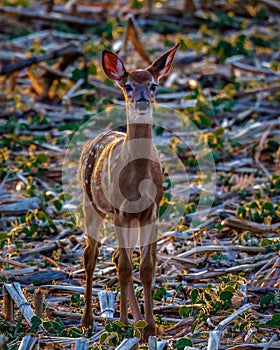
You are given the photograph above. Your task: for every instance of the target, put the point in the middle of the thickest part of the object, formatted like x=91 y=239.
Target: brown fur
x=112 y=171
x=140 y=76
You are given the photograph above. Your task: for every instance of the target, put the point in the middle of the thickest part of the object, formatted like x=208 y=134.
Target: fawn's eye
x=153 y=87
x=128 y=88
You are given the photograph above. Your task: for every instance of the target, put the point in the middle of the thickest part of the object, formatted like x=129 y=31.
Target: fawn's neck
x=139 y=126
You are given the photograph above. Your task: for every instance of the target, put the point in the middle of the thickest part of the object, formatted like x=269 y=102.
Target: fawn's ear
x=113 y=66
x=162 y=65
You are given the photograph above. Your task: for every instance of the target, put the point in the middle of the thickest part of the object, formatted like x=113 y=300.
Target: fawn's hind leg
x=93 y=221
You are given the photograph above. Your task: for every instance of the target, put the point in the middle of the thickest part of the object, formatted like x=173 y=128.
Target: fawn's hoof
x=148 y=331
x=87 y=325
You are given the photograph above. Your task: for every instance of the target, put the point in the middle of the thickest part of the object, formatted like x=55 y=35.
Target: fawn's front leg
x=131 y=294
x=147 y=269
x=92 y=224
x=127 y=232
x=125 y=276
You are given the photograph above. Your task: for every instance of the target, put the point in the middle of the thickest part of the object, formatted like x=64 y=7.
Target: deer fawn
x=121 y=176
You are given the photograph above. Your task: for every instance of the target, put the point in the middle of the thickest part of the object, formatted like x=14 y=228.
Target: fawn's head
x=139 y=86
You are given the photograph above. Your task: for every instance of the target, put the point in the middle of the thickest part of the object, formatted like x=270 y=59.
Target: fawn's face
x=139 y=86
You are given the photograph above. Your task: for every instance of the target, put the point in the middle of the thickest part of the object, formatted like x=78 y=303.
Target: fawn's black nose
x=142 y=105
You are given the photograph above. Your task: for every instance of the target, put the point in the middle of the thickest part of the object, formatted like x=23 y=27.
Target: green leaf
x=141 y=324
x=41 y=158
x=269 y=298
x=179 y=287
x=48 y=325
x=182 y=343
x=20 y=319
x=194 y=295
x=20 y=159
x=194 y=324
x=78 y=74
x=185 y=311
x=253 y=205
x=59 y=323
x=137 y=333
x=275 y=321
x=218 y=131
x=160 y=294
x=41 y=216
x=3 y=236
x=65 y=197
x=114 y=327
x=207 y=296
x=103 y=338
x=226 y=295
x=74 y=332
x=36 y=322
x=241 y=212
x=68 y=126
x=57 y=204
x=76 y=298
x=269 y=207
x=92 y=69
x=2 y=244
x=119 y=324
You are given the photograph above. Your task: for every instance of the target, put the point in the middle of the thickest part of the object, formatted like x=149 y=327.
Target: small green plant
x=237 y=45
x=56 y=327
x=265 y=41
x=276 y=180
x=272 y=244
x=245 y=322
x=11 y=330
x=30 y=189
x=219 y=257
x=222 y=20
x=246 y=238
x=116 y=331
x=210 y=142
x=260 y=211
x=206 y=108
x=212 y=299
x=77 y=300
x=272 y=187
x=160 y=294
x=269 y=299
x=34 y=224
x=33 y=163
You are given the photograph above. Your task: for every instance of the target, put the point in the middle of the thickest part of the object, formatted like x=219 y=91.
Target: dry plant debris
x=218 y=273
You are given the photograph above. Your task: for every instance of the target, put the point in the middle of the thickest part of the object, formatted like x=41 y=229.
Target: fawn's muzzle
x=142 y=105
